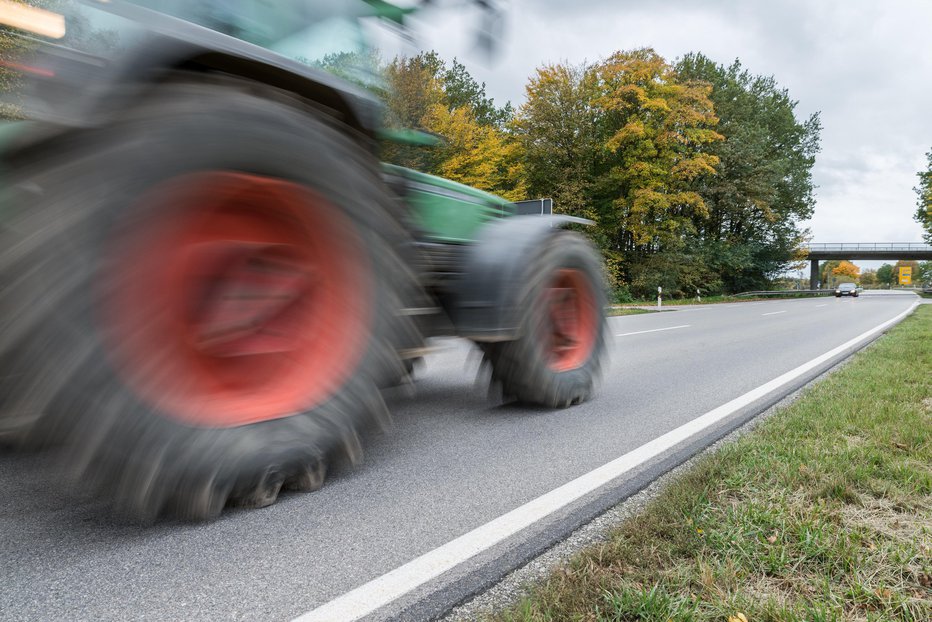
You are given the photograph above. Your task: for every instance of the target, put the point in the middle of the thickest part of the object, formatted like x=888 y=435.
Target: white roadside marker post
x=659 y=293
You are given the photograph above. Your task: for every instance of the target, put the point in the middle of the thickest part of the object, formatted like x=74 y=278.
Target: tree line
x=695 y=173
x=887 y=275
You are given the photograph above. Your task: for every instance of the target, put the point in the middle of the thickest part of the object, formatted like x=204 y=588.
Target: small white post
x=659 y=293
x=698 y=297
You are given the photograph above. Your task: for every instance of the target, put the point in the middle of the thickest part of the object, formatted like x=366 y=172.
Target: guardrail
x=870 y=246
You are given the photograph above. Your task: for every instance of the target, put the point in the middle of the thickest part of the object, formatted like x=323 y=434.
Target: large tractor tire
x=201 y=301
x=556 y=360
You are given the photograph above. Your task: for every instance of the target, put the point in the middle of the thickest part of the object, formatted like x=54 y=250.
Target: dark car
x=846 y=289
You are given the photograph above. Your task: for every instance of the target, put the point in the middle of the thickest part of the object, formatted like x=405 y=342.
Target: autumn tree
x=557 y=129
x=763 y=185
x=412 y=89
x=868 y=278
x=846 y=269
x=924 y=199
x=423 y=93
x=477 y=154
x=654 y=132
x=825 y=271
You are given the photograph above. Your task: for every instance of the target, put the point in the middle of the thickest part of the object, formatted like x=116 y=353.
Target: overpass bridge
x=864 y=250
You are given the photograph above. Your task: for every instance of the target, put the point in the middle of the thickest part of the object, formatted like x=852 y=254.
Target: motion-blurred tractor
x=207 y=276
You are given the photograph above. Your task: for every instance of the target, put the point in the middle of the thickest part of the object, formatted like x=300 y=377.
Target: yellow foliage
x=658 y=127
x=482 y=156
x=846 y=268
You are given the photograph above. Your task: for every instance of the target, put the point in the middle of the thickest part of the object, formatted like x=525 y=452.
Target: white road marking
x=383 y=590
x=825 y=305
x=774 y=312
x=653 y=330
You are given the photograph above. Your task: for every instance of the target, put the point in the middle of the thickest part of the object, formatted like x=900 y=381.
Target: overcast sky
x=866 y=66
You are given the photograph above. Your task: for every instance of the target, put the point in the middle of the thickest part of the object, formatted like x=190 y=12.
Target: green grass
x=824 y=512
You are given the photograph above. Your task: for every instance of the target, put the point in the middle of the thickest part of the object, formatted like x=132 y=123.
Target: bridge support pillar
x=813 y=273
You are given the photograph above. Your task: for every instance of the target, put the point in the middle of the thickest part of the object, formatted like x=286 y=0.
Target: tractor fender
x=486 y=296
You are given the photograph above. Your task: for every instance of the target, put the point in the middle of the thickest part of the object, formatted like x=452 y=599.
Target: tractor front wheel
x=203 y=301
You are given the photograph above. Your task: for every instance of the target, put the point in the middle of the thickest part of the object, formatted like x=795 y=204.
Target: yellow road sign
x=906 y=275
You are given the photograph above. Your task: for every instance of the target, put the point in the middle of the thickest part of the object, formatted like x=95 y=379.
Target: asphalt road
x=453 y=461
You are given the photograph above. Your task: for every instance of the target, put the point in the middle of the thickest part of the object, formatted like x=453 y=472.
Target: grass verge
x=824 y=512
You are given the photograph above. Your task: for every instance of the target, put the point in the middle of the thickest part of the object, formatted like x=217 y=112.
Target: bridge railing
x=870 y=246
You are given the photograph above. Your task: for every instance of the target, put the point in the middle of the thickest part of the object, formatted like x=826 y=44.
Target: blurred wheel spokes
x=246 y=297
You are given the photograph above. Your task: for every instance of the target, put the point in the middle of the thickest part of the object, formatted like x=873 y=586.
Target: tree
x=412 y=88
x=653 y=133
x=924 y=199
x=422 y=93
x=868 y=278
x=886 y=275
x=846 y=269
x=461 y=90
x=763 y=184
x=476 y=154
x=826 y=268
x=924 y=273
x=557 y=129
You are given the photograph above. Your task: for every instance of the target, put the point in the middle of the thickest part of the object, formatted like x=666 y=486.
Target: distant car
x=846 y=289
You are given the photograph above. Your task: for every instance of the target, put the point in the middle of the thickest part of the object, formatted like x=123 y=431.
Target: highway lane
x=451 y=462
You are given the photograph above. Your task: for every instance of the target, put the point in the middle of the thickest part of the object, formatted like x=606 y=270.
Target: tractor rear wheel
x=557 y=358
x=203 y=301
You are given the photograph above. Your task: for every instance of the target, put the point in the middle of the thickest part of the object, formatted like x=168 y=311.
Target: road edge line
x=384 y=590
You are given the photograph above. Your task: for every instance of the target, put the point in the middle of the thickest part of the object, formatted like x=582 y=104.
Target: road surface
x=451 y=463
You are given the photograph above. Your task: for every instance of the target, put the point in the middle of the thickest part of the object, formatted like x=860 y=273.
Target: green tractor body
x=207 y=276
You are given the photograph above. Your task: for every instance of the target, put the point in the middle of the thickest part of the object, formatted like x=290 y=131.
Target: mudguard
x=486 y=296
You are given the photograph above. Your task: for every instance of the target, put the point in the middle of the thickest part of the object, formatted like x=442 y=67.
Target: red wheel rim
x=572 y=320
x=237 y=299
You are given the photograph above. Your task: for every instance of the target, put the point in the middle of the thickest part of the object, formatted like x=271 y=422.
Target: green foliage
x=924 y=199
x=763 y=184
x=923 y=273
x=886 y=275
x=699 y=163
x=868 y=278
x=422 y=92
x=460 y=90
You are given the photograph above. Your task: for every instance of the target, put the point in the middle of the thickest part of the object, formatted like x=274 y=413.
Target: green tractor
x=207 y=277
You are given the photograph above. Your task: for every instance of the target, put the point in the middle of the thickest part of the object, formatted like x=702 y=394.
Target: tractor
x=208 y=278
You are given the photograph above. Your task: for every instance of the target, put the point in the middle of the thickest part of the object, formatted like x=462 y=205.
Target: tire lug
x=309 y=479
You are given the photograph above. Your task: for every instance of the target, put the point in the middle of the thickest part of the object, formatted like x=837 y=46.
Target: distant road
x=451 y=464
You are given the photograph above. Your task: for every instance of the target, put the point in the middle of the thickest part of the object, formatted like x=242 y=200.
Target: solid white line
x=825 y=305
x=387 y=588
x=653 y=330
x=774 y=312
